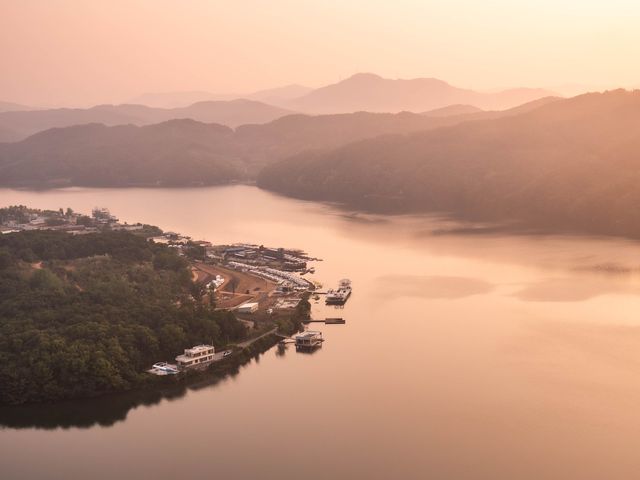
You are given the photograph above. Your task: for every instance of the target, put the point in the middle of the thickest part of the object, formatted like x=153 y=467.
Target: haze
x=81 y=53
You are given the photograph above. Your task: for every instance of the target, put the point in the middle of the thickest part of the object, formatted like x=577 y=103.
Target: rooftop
x=197 y=349
x=308 y=333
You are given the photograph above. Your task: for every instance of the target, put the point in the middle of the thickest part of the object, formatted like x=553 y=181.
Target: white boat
x=165 y=367
x=340 y=295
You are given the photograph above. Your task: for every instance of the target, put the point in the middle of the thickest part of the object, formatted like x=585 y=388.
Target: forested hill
x=190 y=153
x=570 y=165
x=183 y=152
x=85 y=315
x=174 y=153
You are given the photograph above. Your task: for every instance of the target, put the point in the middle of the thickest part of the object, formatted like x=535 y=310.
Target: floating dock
x=327 y=321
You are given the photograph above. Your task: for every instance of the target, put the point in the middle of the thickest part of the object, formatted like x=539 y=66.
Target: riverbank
x=98 y=308
x=107 y=409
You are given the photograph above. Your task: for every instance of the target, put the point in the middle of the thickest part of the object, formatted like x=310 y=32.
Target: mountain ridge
x=571 y=164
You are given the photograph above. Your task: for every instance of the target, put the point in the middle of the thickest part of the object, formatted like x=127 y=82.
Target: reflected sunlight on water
x=464 y=356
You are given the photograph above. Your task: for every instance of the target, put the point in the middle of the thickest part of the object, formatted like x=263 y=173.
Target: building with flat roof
x=308 y=340
x=195 y=356
x=249 y=307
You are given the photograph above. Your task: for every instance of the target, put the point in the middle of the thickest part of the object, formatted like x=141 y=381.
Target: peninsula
x=88 y=304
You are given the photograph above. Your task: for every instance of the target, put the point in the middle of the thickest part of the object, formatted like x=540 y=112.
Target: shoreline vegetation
x=108 y=409
x=86 y=308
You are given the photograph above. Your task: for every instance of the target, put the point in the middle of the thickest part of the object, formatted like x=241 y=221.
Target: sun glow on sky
x=80 y=52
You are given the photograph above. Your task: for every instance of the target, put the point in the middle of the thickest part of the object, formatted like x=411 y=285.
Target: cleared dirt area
x=238 y=287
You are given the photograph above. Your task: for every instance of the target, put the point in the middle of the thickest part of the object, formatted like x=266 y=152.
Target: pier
x=327 y=321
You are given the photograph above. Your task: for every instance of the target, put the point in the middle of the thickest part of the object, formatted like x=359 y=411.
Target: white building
x=249 y=307
x=308 y=340
x=195 y=356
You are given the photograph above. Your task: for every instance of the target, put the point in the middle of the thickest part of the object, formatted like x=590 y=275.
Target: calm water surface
x=463 y=357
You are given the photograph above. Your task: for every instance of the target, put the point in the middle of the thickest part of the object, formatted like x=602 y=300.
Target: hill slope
x=571 y=164
x=86 y=315
x=183 y=152
x=178 y=152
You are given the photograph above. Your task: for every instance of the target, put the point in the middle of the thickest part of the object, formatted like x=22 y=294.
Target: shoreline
x=52 y=415
x=260 y=325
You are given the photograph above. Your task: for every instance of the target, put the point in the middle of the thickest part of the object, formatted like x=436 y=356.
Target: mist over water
x=464 y=356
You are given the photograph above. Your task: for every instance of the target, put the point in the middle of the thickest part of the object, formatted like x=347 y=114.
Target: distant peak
x=365 y=76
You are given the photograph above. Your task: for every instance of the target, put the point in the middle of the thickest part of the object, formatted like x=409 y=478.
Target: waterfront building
x=308 y=340
x=195 y=356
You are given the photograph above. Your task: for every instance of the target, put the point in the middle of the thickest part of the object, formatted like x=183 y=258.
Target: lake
x=465 y=355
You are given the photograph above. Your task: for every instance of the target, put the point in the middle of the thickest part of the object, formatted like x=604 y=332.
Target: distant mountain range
x=280 y=95
x=13 y=107
x=550 y=164
x=451 y=110
x=566 y=165
x=372 y=93
x=187 y=152
x=272 y=96
x=364 y=92
x=361 y=92
x=20 y=124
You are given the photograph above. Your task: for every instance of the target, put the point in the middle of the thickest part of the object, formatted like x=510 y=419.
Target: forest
x=85 y=315
x=568 y=166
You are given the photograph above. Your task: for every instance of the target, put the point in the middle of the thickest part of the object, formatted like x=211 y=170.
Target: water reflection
x=457 y=341
x=107 y=410
x=505 y=243
x=104 y=411
x=567 y=289
x=432 y=286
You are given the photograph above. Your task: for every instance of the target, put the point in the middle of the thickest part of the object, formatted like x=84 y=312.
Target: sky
x=83 y=52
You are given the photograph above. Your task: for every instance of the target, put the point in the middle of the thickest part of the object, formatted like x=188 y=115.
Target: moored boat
x=340 y=295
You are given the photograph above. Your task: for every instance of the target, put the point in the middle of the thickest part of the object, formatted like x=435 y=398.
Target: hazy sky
x=88 y=51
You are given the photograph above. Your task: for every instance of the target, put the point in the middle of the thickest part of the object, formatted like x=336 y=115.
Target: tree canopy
x=85 y=315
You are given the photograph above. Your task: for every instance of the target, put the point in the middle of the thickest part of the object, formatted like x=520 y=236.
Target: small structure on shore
x=249 y=307
x=215 y=283
x=198 y=355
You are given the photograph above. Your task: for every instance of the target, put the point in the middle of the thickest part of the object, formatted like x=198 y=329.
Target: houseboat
x=195 y=356
x=308 y=340
x=340 y=295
